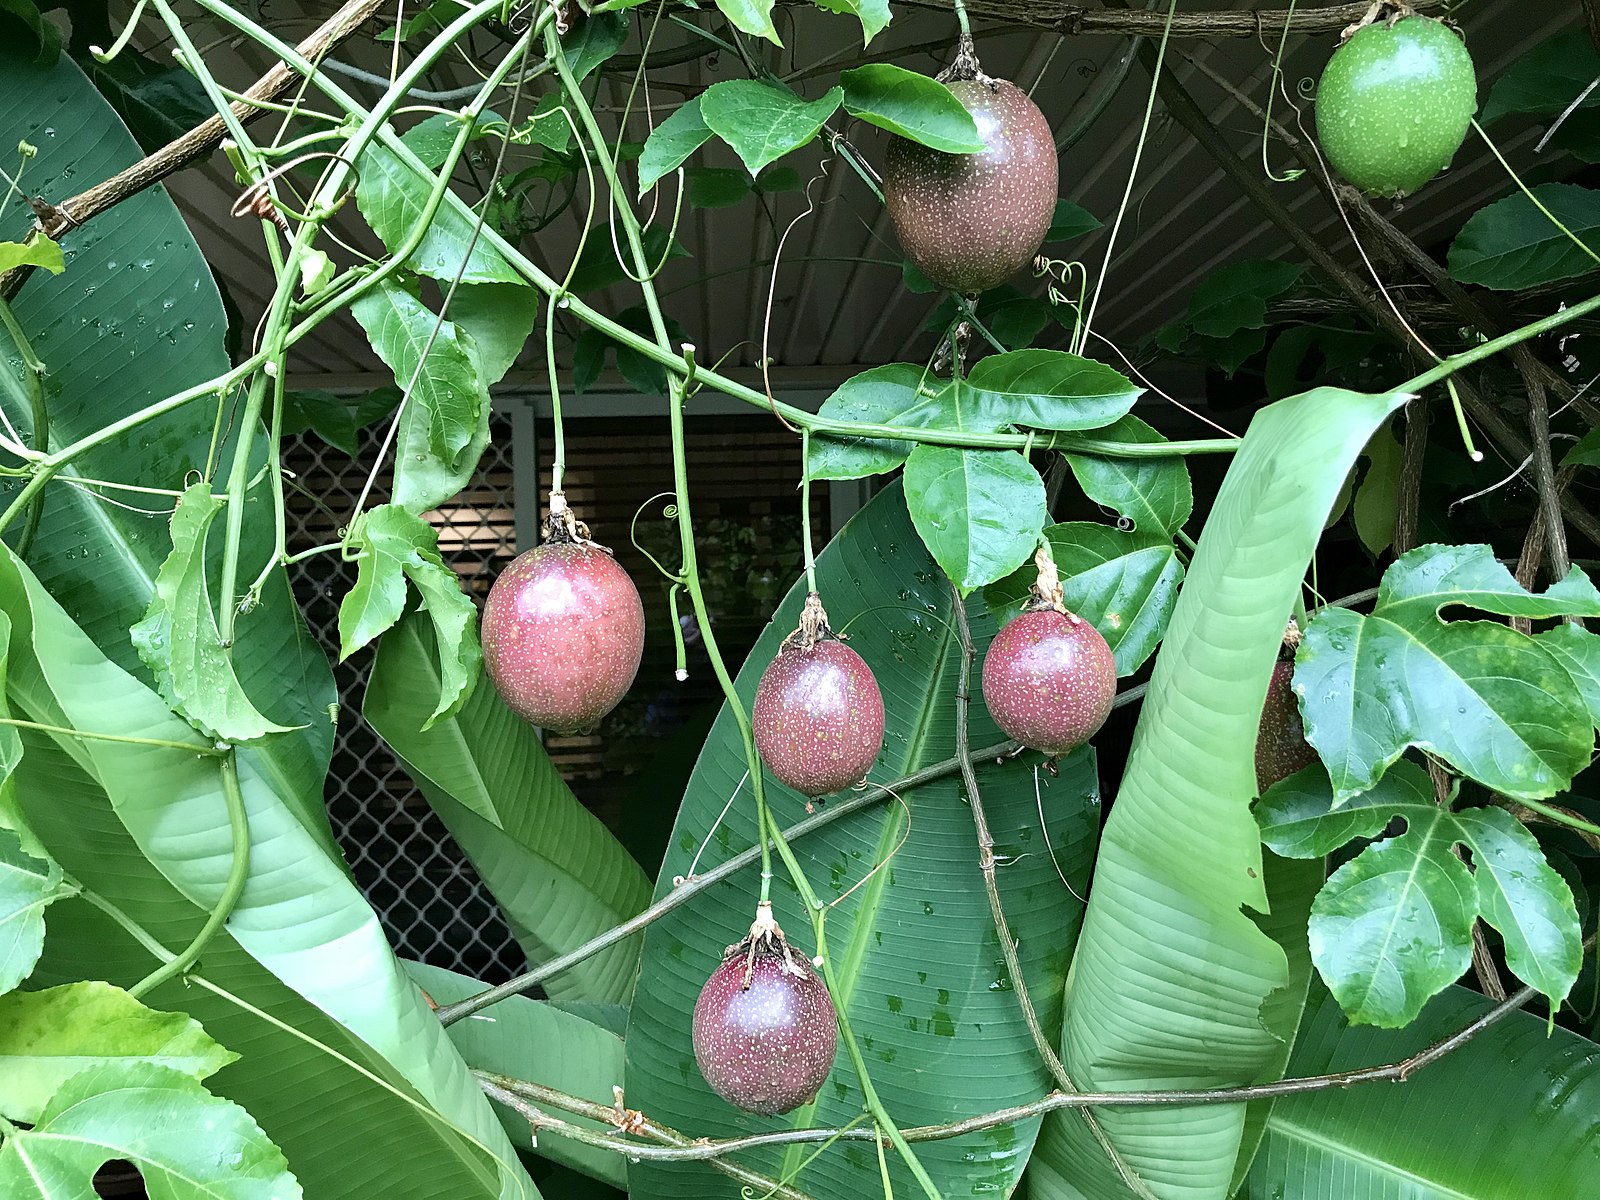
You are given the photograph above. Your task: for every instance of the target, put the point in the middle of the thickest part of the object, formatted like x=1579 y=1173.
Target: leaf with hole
x=1393 y=926
x=762 y=122
x=48 y=1036
x=1493 y=703
x=911 y=106
x=186 y=1143
x=1124 y=583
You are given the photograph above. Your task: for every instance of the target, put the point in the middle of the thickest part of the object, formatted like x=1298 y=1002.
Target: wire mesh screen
x=631 y=770
x=432 y=905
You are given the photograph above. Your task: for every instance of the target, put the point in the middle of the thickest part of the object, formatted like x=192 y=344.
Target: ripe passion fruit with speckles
x=1049 y=680
x=818 y=716
x=970 y=221
x=765 y=1031
x=1281 y=746
x=1394 y=104
x=563 y=632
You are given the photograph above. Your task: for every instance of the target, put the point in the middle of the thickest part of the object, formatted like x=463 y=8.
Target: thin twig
x=56 y=219
x=1073 y=19
x=1544 y=469
x=710 y=1150
x=991 y=885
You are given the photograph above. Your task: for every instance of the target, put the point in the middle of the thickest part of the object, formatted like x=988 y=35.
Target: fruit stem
x=805 y=511
x=965 y=45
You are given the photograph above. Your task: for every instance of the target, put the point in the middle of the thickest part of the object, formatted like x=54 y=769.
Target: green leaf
x=159 y=101
x=36 y=250
x=393 y=546
x=1165 y=921
x=671 y=142
x=762 y=122
x=751 y=16
x=445 y=423
x=28 y=886
x=1543 y=81
x=873 y=14
x=589 y=352
x=1393 y=926
x=394 y=200
x=911 y=106
x=1153 y=493
x=1510 y=244
x=432 y=138
x=598 y=266
x=1493 y=703
x=896 y=394
x=1579 y=652
x=1070 y=221
x=178 y=637
x=337 y=420
x=594 y=41
x=1234 y=297
x=46 y=37
x=560 y=877
x=716 y=187
x=98 y=559
x=979 y=512
x=47 y=1037
x=1586 y=453
x=85 y=797
x=1124 y=583
x=1051 y=389
x=920 y=973
x=1377 y=499
x=538 y=1041
x=498 y=318
x=1510 y=1114
x=186 y=1143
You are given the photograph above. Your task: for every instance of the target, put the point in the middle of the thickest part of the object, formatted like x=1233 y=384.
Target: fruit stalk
x=1050 y=583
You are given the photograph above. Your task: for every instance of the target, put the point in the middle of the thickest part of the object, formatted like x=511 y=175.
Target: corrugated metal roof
x=839 y=301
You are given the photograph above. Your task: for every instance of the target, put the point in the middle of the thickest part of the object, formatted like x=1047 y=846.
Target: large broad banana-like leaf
x=921 y=974
x=1167 y=986
x=540 y=1042
x=559 y=875
x=300 y=916
x=1513 y=1115
x=135 y=318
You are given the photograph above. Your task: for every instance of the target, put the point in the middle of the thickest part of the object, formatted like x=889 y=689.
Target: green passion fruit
x=1394 y=104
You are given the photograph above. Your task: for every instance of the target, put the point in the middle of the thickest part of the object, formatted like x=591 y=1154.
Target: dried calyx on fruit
x=765 y=1030
x=1049 y=678
x=818 y=716
x=563 y=628
x=970 y=221
x=1281 y=746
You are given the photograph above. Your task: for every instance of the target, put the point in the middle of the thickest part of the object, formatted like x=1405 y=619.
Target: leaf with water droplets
x=1497 y=705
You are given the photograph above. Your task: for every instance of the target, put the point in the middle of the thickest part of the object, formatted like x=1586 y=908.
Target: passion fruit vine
x=1048 y=677
x=818 y=716
x=1394 y=104
x=971 y=221
x=765 y=1030
x=563 y=629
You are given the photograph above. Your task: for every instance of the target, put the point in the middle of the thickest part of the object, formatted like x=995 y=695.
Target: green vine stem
x=805 y=511
x=33 y=371
x=238 y=874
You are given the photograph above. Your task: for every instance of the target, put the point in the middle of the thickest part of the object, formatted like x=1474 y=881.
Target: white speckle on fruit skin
x=1394 y=104
x=1049 y=680
x=563 y=633
x=769 y=1047
x=971 y=221
x=818 y=717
